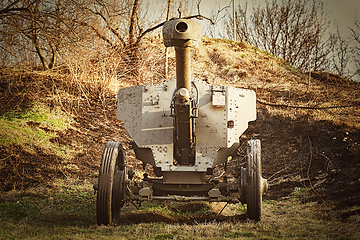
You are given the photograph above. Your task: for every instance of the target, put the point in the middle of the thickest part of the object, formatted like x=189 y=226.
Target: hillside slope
x=310 y=129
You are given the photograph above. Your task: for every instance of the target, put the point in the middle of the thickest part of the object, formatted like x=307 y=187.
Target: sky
x=343 y=11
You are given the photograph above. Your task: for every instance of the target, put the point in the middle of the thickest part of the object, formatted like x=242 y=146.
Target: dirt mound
x=302 y=153
x=21 y=169
x=316 y=149
x=92 y=129
x=330 y=78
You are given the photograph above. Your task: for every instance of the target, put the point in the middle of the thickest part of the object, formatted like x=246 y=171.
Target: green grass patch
x=298 y=192
x=153 y=206
x=41 y=114
x=70 y=206
x=34 y=126
x=174 y=210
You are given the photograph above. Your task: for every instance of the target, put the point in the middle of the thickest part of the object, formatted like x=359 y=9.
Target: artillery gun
x=184 y=128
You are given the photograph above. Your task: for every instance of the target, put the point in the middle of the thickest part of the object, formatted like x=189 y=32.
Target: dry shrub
x=99 y=73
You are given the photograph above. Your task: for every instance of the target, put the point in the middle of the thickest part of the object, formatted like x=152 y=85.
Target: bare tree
x=123 y=25
x=356 y=48
x=9 y=7
x=242 y=28
x=36 y=27
x=120 y=24
x=44 y=30
x=294 y=30
x=341 y=55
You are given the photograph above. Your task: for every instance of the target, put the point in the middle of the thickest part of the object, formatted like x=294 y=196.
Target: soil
x=297 y=152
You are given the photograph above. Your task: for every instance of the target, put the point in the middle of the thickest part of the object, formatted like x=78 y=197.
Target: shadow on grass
x=78 y=209
x=158 y=216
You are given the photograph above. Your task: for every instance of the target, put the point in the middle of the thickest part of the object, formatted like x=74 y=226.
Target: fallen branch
x=7 y=157
x=276 y=173
x=287 y=178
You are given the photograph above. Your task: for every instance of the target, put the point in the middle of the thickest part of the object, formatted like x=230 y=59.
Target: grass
x=153 y=206
x=40 y=113
x=34 y=126
x=68 y=212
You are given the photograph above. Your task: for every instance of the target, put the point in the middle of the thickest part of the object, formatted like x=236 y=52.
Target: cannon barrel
x=183 y=34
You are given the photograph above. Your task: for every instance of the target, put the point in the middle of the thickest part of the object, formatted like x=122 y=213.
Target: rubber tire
x=254 y=196
x=110 y=194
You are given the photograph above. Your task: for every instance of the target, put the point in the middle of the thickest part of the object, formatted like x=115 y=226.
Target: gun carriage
x=184 y=128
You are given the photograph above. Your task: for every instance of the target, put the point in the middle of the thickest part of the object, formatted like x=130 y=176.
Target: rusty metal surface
x=183 y=67
x=145 y=111
x=177 y=30
x=183 y=34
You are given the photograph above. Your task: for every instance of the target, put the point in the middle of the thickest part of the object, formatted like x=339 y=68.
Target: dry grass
x=97 y=74
x=304 y=142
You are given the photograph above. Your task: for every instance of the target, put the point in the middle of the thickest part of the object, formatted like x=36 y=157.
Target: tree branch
x=8 y=9
x=201 y=17
x=133 y=21
x=148 y=30
x=99 y=35
x=108 y=25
